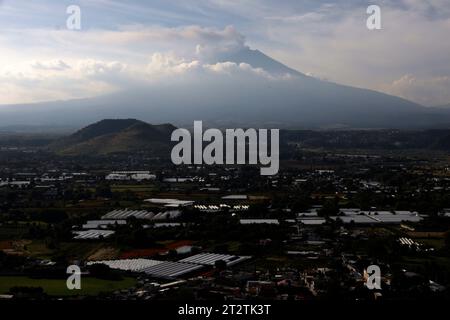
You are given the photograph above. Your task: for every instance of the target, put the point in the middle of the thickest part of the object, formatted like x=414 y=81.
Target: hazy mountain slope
x=445 y=106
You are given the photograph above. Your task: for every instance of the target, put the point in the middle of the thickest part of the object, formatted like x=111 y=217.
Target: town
x=142 y=228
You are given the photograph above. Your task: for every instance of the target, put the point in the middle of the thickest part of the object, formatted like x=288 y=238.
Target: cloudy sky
x=126 y=44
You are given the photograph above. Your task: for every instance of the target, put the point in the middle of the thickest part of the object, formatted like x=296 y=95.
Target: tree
x=103 y=191
x=50 y=215
x=220 y=265
x=330 y=208
x=447 y=240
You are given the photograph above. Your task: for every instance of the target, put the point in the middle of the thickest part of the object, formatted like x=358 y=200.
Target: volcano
x=281 y=98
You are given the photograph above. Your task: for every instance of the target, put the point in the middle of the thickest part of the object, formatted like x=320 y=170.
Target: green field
x=435 y=243
x=57 y=287
x=12 y=231
x=38 y=249
x=132 y=188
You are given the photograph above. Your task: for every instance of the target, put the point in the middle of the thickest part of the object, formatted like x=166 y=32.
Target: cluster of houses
x=130 y=176
x=357 y=216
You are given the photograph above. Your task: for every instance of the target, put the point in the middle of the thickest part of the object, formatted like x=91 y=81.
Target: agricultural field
x=133 y=188
x=57 y=287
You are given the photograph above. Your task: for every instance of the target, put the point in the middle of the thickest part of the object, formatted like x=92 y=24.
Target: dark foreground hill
x=116 y=136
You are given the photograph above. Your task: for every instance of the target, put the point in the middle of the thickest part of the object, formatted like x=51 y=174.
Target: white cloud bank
x=57 y=79
x=120 y=60
x=433 y=91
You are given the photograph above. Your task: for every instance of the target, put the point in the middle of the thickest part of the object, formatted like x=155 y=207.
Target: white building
x=130 y=175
